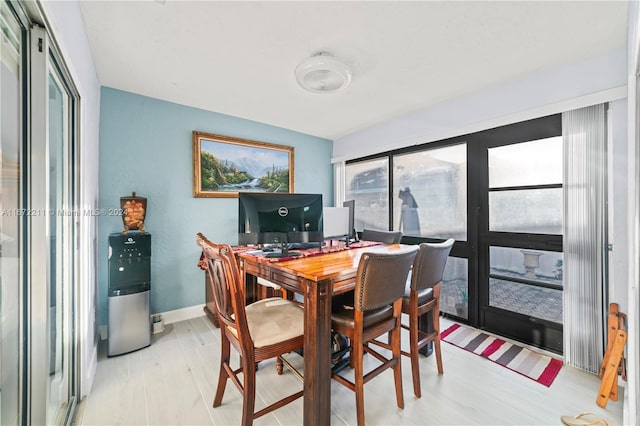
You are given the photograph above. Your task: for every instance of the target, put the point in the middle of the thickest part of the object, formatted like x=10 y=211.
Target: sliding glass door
x=61 y=328
x=520 y=234
x=11 y=221
x=52 y=229
x=38 y=367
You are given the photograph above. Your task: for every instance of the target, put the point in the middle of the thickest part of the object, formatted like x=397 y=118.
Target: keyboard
x=304 y=246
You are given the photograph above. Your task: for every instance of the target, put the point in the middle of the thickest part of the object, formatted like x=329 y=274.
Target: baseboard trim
x=182 y=314
x=103 y=330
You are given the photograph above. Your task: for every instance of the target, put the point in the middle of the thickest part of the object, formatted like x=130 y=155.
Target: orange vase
x=134 y=210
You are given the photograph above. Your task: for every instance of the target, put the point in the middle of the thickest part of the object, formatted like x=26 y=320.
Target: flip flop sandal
x=584 y=419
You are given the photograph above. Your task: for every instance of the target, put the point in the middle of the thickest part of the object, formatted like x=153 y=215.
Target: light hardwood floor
x=172 y=382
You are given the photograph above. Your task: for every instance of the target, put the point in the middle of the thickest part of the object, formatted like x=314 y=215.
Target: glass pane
x=528 y=163
x=538 y=302
x=10 y=229
x=454 y=294
x=58 y=329
x=537 y=211
x=525 y=264
x=432 y=190
x=534 y=265
x=367 y=183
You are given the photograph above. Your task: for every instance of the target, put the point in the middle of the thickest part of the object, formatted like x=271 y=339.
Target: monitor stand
x=284 y=252
x=348 y=239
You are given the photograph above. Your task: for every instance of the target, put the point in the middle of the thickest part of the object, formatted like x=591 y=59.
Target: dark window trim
x=533 y=283
x=526 y=187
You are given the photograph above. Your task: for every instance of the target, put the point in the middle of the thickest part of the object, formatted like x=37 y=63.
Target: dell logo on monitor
x=283 y=211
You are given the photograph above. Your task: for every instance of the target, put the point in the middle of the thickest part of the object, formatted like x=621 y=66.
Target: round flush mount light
x=323 y=73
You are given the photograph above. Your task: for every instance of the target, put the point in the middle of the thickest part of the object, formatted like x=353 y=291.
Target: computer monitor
x=336 y=222
x=279 y=218
x=351 y=205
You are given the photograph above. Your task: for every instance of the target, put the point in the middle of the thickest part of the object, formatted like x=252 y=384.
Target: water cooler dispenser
x=129 y=290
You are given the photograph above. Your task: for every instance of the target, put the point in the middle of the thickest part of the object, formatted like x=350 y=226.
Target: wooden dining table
x=317 y=277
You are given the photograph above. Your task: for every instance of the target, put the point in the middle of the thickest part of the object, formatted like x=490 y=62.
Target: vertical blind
x=585 y=174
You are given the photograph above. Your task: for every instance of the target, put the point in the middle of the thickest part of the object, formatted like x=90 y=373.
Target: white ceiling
x=238 y=57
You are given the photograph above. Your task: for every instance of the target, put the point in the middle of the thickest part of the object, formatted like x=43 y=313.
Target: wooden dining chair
x=374 y=309
x=266 y=329
x=387 y=237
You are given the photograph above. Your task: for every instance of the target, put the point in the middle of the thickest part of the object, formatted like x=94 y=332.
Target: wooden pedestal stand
x=613 y=362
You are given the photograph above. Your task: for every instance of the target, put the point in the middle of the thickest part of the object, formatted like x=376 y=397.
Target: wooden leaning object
x=613 y=362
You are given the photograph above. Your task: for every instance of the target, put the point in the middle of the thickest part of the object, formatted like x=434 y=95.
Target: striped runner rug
x=541 y=368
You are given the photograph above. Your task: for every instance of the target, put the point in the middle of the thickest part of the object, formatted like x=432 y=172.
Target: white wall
x=65 y=23
x=588 y=82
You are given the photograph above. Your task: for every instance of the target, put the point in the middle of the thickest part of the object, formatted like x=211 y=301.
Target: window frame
x=477 y=256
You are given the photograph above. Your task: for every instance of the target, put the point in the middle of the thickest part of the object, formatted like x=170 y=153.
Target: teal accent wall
x=146 y=147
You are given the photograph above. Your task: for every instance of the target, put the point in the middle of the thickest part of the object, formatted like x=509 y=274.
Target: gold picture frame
x=224 y=166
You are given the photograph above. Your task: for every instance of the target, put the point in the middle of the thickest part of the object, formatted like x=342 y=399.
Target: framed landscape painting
x=224 y=166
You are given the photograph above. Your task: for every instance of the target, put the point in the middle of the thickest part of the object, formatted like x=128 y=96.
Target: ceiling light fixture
x=323 y=73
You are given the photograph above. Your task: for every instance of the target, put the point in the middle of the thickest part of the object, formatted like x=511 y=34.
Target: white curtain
x=584 y=136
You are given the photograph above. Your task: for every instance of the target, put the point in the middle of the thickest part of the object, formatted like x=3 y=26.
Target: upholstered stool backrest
x=388 y=237
x=429 y=264
x=381 y=277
